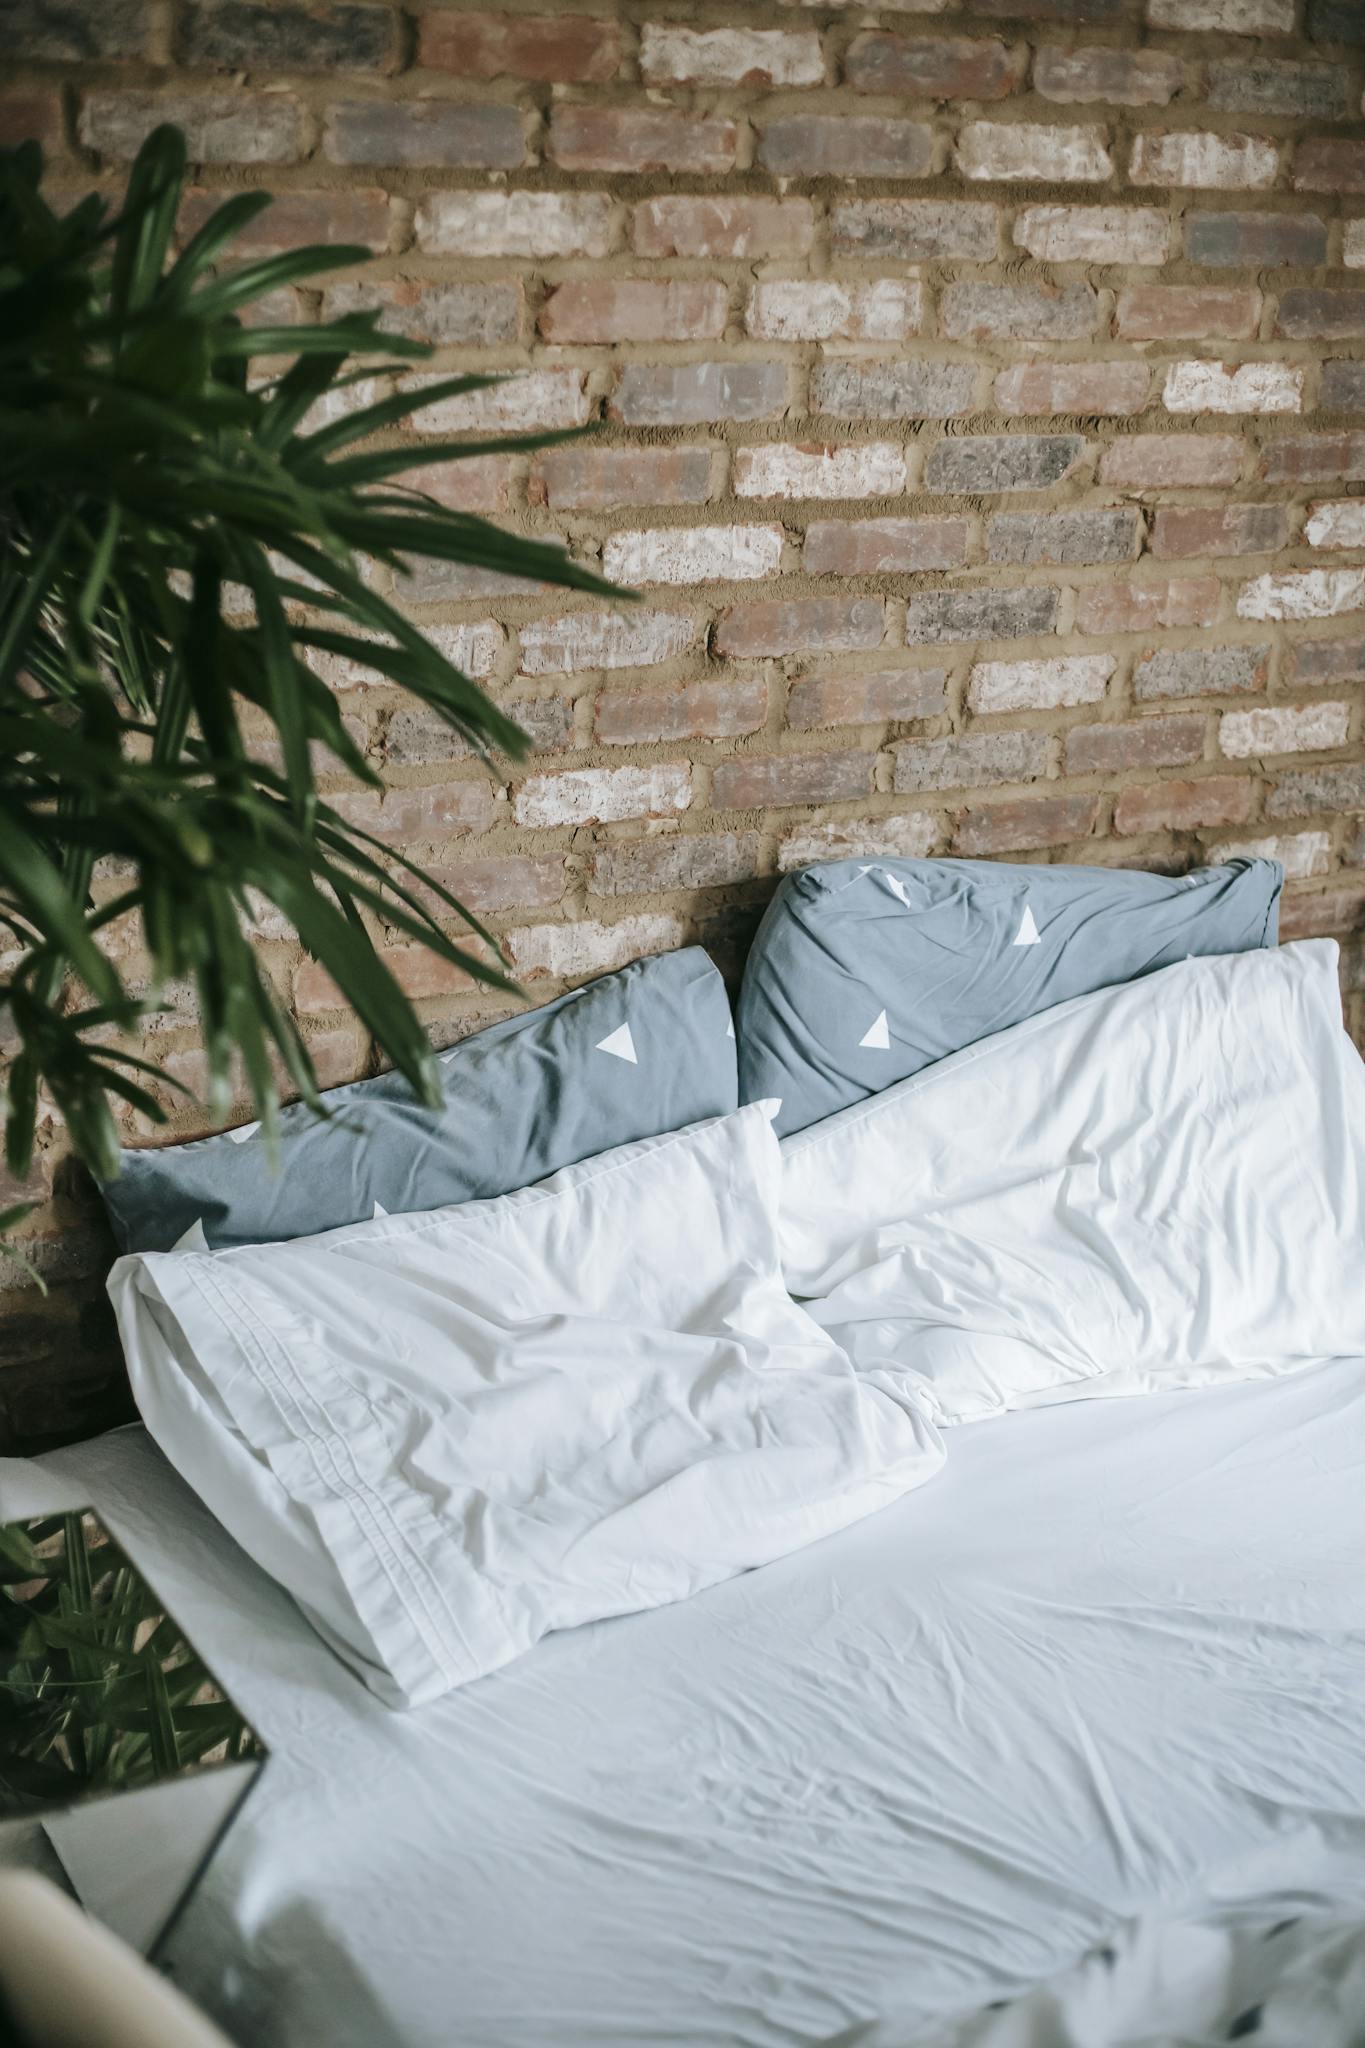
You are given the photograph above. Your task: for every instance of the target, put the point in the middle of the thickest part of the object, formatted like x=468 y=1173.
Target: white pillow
x=448 y=1434
x=1160 y=1185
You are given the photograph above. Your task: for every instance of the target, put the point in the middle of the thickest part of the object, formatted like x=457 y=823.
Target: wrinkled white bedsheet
x=1297 y=1982
x=1111 y=1662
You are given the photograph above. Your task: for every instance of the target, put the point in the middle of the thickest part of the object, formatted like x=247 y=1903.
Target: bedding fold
x=1150 y=1187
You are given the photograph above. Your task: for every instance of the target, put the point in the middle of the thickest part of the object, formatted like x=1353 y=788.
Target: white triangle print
x=897 y=887
x=379 y=1210
x=193 y=1239
x=244 y=1131
x=877 y=1038
x=1027 y=934
x=730 y=1028
x=619 y=1044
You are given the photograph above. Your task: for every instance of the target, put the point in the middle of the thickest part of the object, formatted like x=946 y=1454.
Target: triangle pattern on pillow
x=619 y=1044
x=379 y=1210
x=244 y=1131
x=877 y=1038
x=1028 y=933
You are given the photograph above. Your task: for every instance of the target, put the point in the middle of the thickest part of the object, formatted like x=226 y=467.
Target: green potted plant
x=157 y=454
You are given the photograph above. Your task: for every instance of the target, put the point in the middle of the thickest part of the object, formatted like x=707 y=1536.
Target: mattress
x=1111 y=1662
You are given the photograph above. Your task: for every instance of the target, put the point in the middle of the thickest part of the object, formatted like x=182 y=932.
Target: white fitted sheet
x=1112 y=1661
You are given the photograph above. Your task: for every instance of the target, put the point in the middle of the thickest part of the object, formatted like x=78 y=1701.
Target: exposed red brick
x=586 y=479
x=1095 y=388
x=1184 y=312
x=294 y=219
x=1329 y=163
x=31 y=117
x=1027 y=822
x=597 y=138
x=1314 y=458
x=1137 y=607
x=562 y=49
x=801 y=626
x=480 y=483
x=869 y=698
x=1141 y=743
x=1219 y=529
x=1158 y=461
x=870 y=547
x=701 y=860
x=1308 y=313
x=755 y=781
x=1182 y=806
x=681 y=711
x=635 y=309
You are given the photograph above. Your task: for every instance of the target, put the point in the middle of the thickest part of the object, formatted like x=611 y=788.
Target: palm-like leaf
x=142 y=469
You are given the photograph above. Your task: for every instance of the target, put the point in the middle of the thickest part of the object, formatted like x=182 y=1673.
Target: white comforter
x=1110 y=1662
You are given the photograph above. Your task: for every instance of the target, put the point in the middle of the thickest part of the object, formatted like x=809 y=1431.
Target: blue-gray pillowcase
x=631 y=1056
x=862 y=973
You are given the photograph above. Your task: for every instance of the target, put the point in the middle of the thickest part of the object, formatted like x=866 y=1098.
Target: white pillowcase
x=1159 y=1185
x=450 y=1433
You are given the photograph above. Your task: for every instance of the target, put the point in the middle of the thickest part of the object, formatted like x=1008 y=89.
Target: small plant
x=99 y=1690
x=155 y=451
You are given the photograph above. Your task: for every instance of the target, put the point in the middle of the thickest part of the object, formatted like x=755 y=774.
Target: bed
x=1110 y=1662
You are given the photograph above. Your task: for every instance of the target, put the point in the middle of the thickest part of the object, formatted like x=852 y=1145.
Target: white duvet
x=1161 y=1185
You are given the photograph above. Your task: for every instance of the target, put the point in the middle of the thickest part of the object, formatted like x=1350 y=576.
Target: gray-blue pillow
x=863 y=972
x=631 y=1056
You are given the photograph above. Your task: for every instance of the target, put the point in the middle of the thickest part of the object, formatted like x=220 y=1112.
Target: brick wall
x=983 y=417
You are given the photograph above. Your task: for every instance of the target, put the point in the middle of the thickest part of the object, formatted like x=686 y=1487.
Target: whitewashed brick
x=670 y=55
x=1094 y=234
x=1300 y=854
x=698 y=554
x=1338 y=524
x=1283 y=729
x=1241 y=387
x=1231 y=17
x=1353 y=246
x=1039 y=685
x=570 y=951
x=601 y=796
x=1020 y=149
x=862 y=469
x=538 y=398
x=1309 y=594
x=821 y=309
x=539 y=224
x=600 y=640
x=909 y=836
x=1231 y=163
x=474 y=648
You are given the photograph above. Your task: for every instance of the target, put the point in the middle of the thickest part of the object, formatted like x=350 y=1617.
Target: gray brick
x=1329 y=661
x=970 y=762
x=73 y=31
x=1063 y=537
x=220 y=128
x=1200 y=672
x=981 y=615
x=1015 y=312
x=472 y=315
x=1317 y=90
x=236 y=35
x=425 y=134
x=1339 y=788
x=713 y=860
x=1003 y=462
x=916 y=230
x=1343 y=386
x=1336 y=21
x=693 y=394
x=1244 y=241
x=889 y=391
